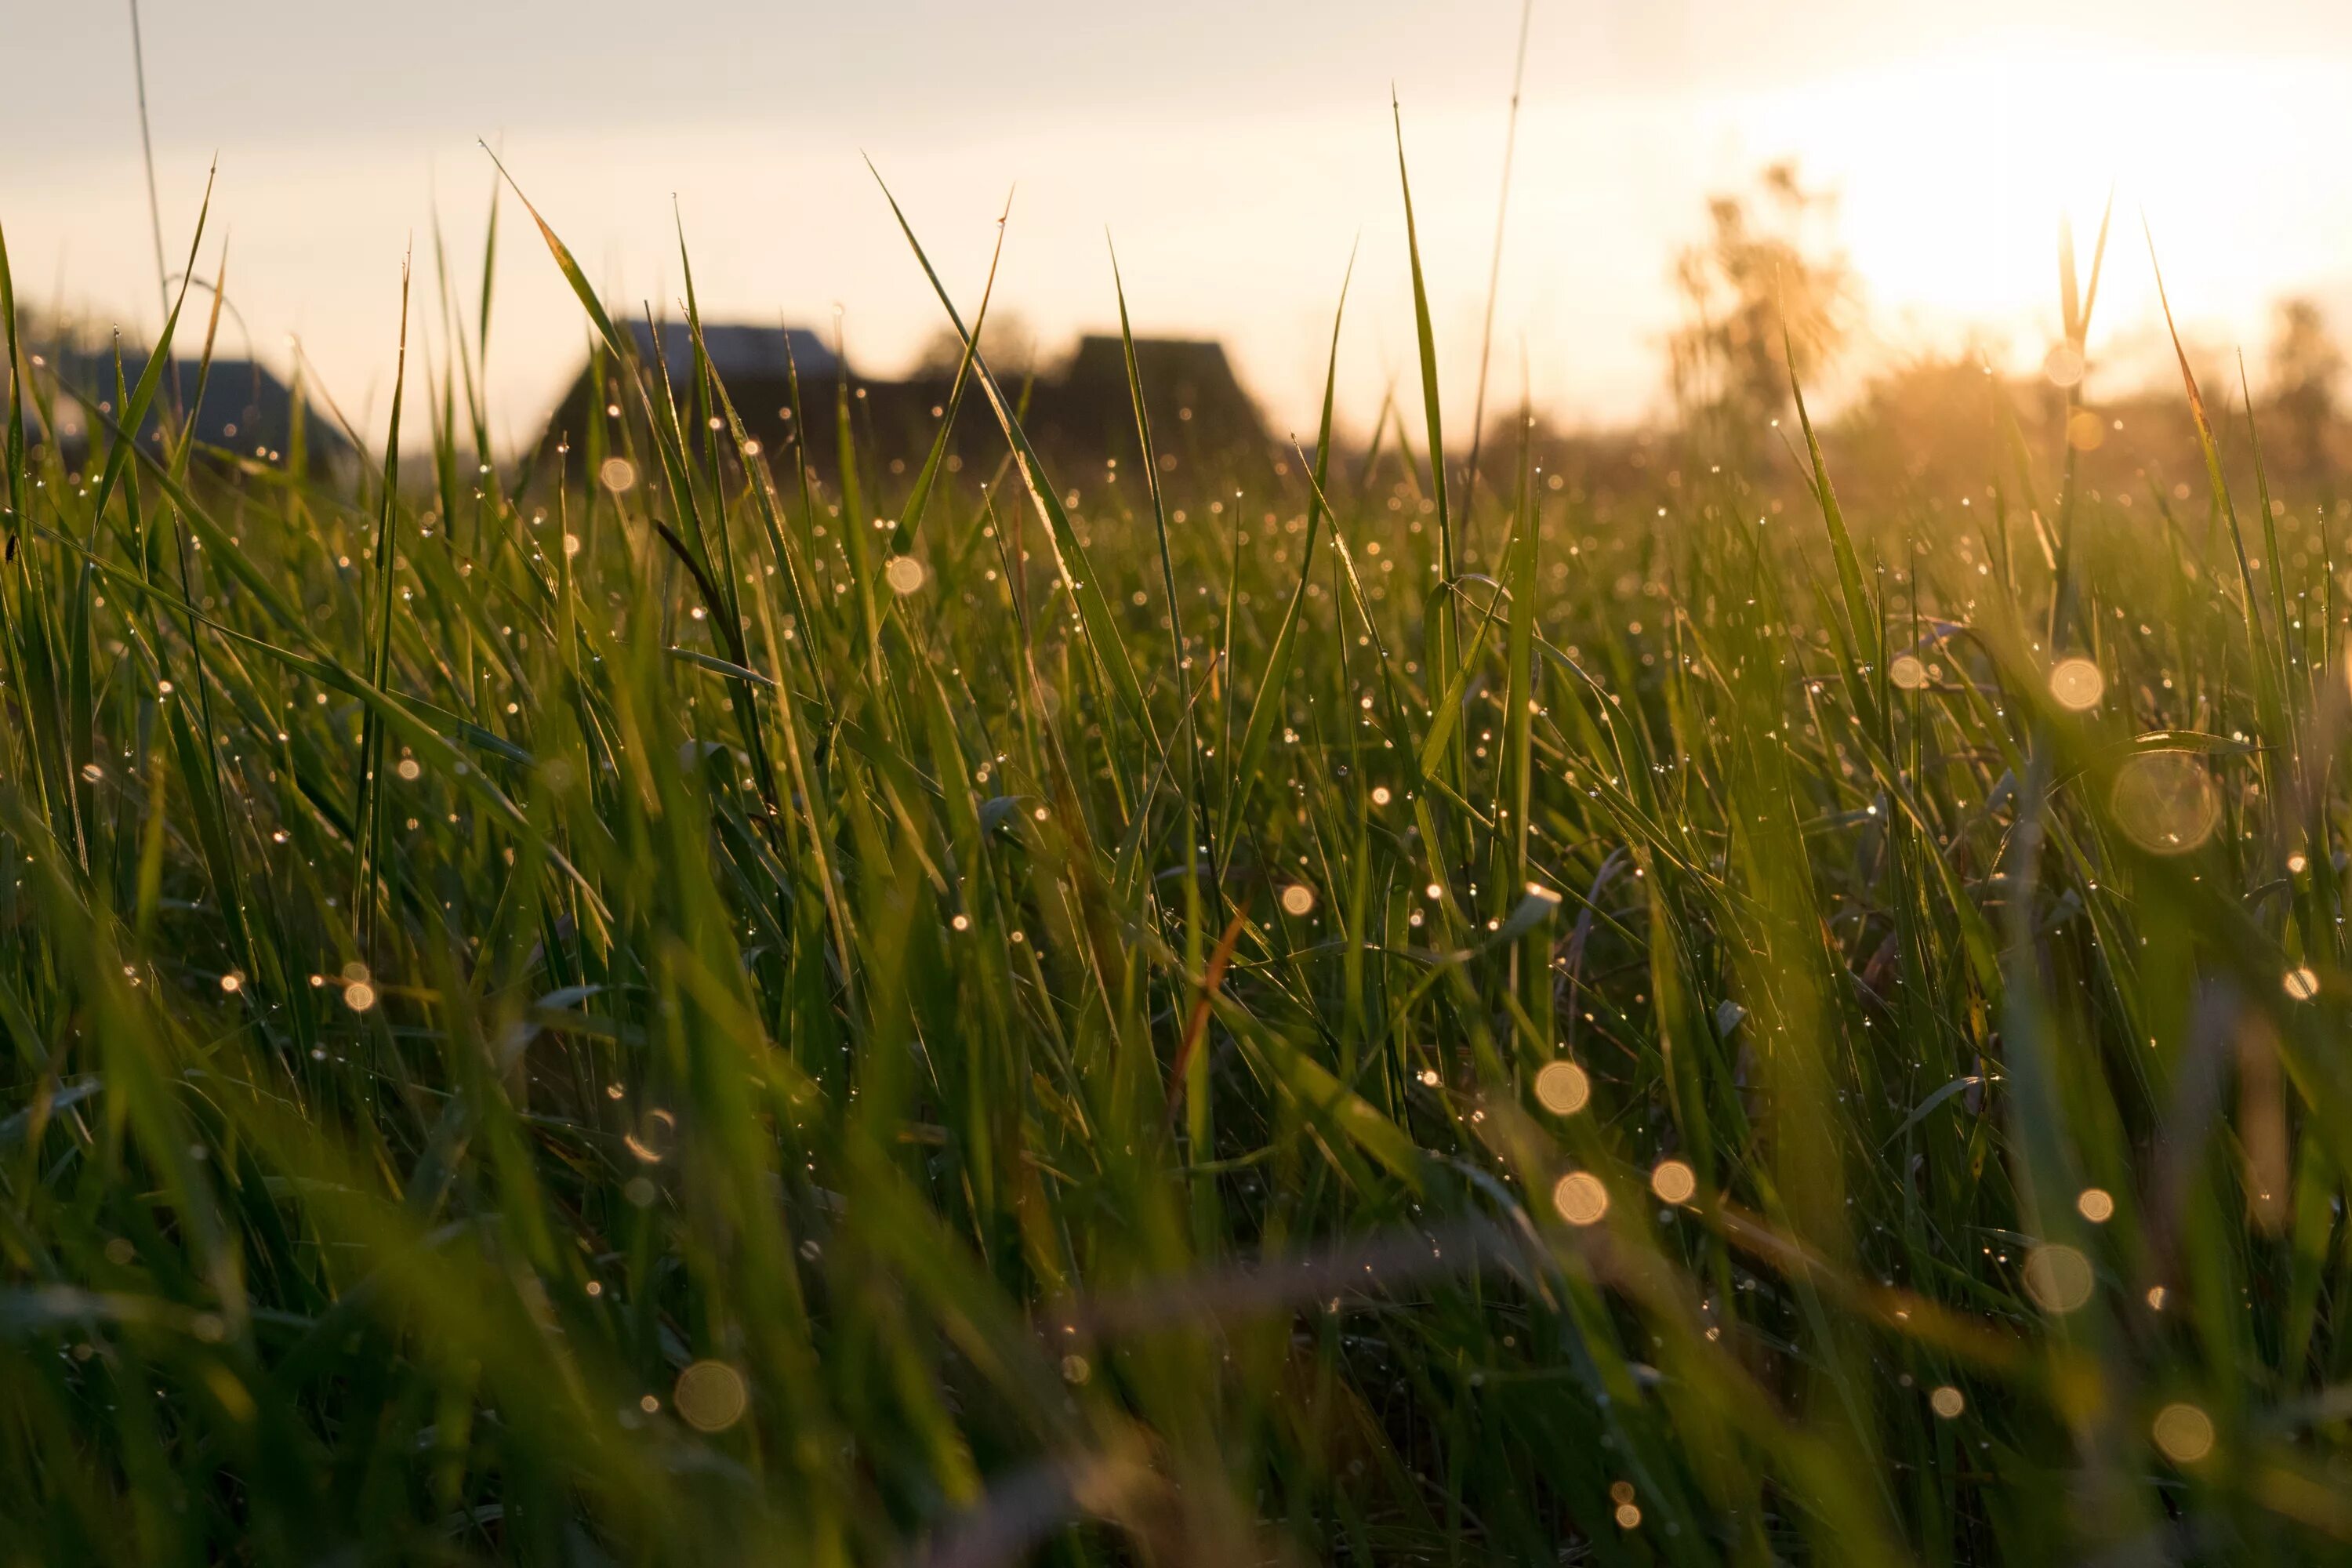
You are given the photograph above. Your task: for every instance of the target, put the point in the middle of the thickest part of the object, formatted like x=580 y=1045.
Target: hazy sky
x=1235 y=151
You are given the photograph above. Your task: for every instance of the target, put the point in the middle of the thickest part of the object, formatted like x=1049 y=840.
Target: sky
x=1236 y=154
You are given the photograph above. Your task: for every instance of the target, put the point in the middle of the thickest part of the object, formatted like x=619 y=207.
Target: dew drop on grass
x=2058 y=1277
x=1297 y=899
x=655 y=1135
x=619 y=475
x=1562 y=1089
x=1948 y=1402
x=1907 y=672
x=710 y=1396
x=2301 y=983
x=2096 y=1205
x=905 y=574
x=2166 y=801
x=2076 y=685
x=1673 y=1181
x=359 y=995
x=2184 y=1432
x=1581 y=1198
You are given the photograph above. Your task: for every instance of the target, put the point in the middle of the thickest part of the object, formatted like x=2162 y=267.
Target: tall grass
x=1220 y=1009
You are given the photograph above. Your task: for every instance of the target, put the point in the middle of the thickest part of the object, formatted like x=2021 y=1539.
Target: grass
x=1217 y=1011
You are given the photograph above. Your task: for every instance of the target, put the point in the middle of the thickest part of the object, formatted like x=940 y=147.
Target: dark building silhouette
x=1077 y=411
x=246 y=413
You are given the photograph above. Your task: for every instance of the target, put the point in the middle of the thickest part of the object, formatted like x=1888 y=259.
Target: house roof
x=245 y=408
x=738 y=352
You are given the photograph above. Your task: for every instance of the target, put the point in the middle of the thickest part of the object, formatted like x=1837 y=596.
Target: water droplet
x=655 y=1135
x=2058 y=1277
x=1673 y=1181
x=2075 y=684
x=710 y=1396
x=1581 y=1198
x=1562 y=1089
x=2184 y=1432
x=2165 y=801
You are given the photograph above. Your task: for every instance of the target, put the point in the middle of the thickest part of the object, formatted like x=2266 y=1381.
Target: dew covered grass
x=1284 y=1007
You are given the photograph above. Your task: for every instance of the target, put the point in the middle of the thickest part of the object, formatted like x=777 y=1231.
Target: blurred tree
x=1007 y=341
x=2305 y=365
x=1770 y=256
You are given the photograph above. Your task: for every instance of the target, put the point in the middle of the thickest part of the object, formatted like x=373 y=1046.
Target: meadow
x=1357 y=1004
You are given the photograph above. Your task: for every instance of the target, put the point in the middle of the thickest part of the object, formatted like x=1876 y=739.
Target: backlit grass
x=652 y=1009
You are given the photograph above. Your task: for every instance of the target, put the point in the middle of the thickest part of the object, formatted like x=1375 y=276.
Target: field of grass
x=1319 y=1008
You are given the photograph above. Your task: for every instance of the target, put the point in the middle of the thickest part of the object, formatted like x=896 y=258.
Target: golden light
x=2076 y=685
x=2166 y=801
x=1947 y=1402
x=1562 y=1089
x=2184 y=1432
x=1673 y=1181
x=2096 y=1205
x=2058 y=1277
x=710 y=1395
x=652 y=1141
x=1581 y=1198
x=1949 y=208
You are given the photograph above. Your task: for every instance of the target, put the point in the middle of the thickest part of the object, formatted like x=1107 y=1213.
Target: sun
x=1956 y=173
